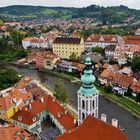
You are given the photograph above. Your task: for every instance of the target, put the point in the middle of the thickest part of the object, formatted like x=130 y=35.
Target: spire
x=88 y=79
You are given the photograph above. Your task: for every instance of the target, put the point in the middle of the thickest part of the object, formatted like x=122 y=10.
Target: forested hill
x=112 y=14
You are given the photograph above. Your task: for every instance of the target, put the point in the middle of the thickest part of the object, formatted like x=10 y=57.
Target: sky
x=72 y=3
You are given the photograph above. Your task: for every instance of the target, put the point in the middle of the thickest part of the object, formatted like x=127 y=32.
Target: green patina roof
x=88 y=79
x=88 y=61
x=88 y=91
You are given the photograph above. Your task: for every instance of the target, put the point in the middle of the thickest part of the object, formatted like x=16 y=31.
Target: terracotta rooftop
x=25 y=117
x=94 y=129
x=55 y=108
x=14 y=133
x=5 y=103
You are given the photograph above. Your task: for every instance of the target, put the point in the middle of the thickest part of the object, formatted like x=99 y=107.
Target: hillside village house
x=12 y=132
x=120 y=82
x=108 y=40
x=101 y=41
x=64 y=47
x=27 y=121
x=46 y=60
x=34 y=42
x=109 y=52
x=12 y=99
x=47 y=107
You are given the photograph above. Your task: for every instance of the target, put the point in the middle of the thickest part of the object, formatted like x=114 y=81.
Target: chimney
x=20 y=108
x=53 y=99
x=42 y=100
x=30 y=106
x=6 y=125
x=103 y=117
x=114 y=122
x=66 y=112
x=74 y=121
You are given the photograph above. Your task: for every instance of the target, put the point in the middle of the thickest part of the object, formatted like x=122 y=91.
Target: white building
x=87 y=94
x=34 y=42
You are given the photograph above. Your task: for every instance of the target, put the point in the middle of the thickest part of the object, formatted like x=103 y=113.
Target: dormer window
x=34 y=119
x=101 y=39
x=20 y=118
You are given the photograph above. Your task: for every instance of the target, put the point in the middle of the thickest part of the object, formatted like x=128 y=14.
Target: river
x=130 y=123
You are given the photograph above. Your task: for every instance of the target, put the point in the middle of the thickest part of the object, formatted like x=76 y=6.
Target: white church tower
x=87 y=94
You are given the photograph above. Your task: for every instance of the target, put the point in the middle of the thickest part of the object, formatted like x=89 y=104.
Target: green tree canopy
x=1 y=23
x=136 y=64
x=98 y=50
x=61 y=92
x=73 y=57
x=138 y=97
x=8 y=77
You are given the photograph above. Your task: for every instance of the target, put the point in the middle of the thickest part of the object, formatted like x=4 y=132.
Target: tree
x=1 y=23
x=129 y=92
x=112 y=61
x=61 y=92
x=98 y=50
x=108 y=88
x=138 y=97
x=136 y=64
x=73 y=57
x=8 y=77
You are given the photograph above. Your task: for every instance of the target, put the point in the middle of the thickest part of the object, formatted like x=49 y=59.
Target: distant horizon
x=68 y=6
x=133 y=4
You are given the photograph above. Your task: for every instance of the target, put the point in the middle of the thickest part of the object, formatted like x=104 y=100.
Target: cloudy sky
x=72 y=3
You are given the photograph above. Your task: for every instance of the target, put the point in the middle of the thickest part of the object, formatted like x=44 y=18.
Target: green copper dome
x=88 y=79
x=88 y=61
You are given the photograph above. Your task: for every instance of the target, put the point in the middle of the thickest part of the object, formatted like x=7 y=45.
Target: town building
x=34 y=42
x=101 y=41
x=65 y=47
x=87 y=94
x=42 y=109
x=27 y=121
x=95 y=129
x=109 y=52
x=12 y=132
x=14 y=98
x=46 y=59
x=137 y=32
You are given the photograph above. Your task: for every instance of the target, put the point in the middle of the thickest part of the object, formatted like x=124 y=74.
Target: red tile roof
x=94 y=129
x=14 y=133
x=55 y=108
x=5 y=103
x=25 y=117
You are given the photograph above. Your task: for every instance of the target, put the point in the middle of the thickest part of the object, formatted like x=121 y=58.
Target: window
x=83 y=104
x=83 y=116
x=93 y=104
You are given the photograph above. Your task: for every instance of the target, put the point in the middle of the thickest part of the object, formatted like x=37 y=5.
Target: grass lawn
x=129 y=105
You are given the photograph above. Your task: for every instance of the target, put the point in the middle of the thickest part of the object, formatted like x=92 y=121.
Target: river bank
x=127 y=104
x=129 y=122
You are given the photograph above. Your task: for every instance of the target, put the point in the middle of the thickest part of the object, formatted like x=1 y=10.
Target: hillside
x=113 y=14
x=104 y=14
x=34 y=12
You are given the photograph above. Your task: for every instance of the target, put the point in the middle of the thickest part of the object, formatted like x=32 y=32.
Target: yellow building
x=65 y=47
x=7 y=109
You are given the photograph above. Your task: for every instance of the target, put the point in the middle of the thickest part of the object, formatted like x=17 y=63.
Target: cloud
x=72 y=3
